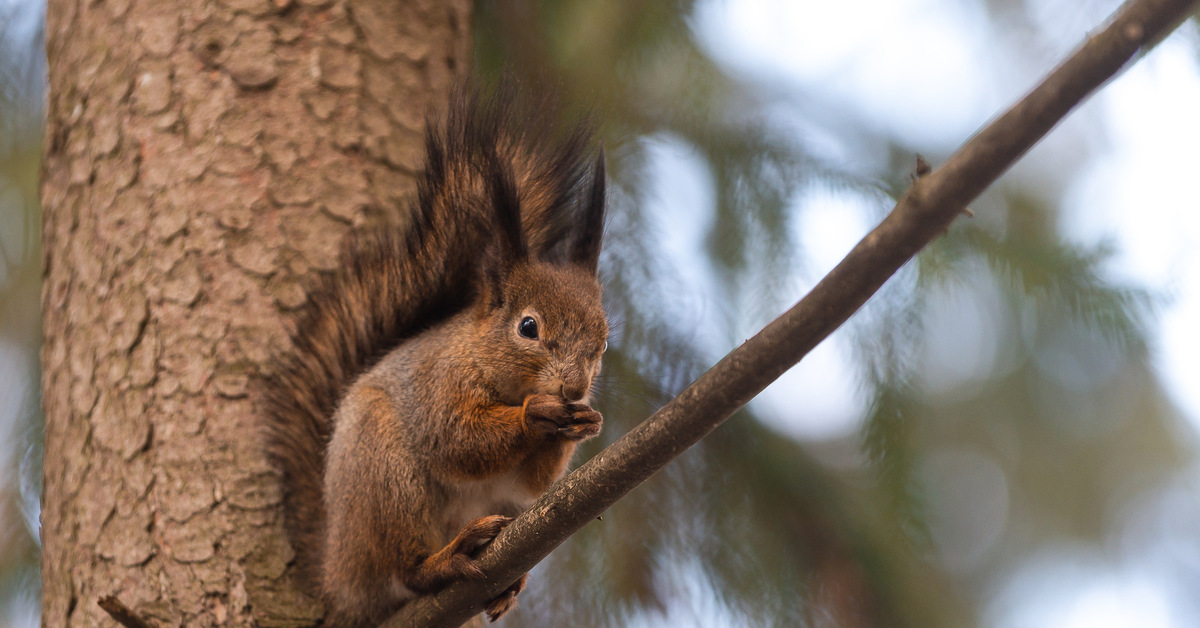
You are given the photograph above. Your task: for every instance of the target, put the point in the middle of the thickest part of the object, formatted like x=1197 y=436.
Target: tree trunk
x=202 y=160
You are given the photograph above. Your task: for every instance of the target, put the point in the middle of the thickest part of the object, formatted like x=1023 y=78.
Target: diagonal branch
x=924 y=213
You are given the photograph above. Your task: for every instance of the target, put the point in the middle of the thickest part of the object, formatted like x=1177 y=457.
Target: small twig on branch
x=121 y=613
x=924 y=213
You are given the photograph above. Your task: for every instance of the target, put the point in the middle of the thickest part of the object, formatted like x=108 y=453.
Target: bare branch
x=924 y=213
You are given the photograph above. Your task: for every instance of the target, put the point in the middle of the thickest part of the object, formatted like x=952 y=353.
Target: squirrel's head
x=550 y=331
x=543 y=321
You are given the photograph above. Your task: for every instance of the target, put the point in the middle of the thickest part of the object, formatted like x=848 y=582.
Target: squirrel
x=438 y=380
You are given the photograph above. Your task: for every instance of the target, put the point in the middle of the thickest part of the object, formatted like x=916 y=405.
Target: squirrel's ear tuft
x=493 y=269
x=585 y=250
x=507 y=208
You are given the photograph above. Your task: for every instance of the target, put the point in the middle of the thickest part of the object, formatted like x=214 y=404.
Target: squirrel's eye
x=528 y=328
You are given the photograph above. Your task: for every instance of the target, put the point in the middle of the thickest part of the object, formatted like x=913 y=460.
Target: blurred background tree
x=22 y=87
x=1005 y=436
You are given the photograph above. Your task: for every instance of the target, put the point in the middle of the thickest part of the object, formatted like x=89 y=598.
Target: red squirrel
x=438 y=381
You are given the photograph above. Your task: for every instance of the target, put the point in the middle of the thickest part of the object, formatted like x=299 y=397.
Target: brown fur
x=411 y=419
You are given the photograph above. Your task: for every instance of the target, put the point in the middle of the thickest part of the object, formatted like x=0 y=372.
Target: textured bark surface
x=202 y=159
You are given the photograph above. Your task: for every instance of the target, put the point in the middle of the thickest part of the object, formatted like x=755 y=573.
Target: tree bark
x=202 y=158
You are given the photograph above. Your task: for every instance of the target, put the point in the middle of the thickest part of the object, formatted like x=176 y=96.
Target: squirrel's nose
x=574 y=391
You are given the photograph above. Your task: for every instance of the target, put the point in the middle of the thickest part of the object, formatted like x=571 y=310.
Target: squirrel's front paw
x=549 y=414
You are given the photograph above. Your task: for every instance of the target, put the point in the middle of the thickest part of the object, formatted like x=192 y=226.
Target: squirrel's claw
x=477 y=533
x=551 y=415
x=585 y=423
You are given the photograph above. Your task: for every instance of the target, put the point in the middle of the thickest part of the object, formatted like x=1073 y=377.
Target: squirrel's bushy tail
x=392 y=283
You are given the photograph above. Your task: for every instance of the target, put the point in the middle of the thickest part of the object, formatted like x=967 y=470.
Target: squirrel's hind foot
x=456 y=560
x=477 y=533
x=506 y=601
